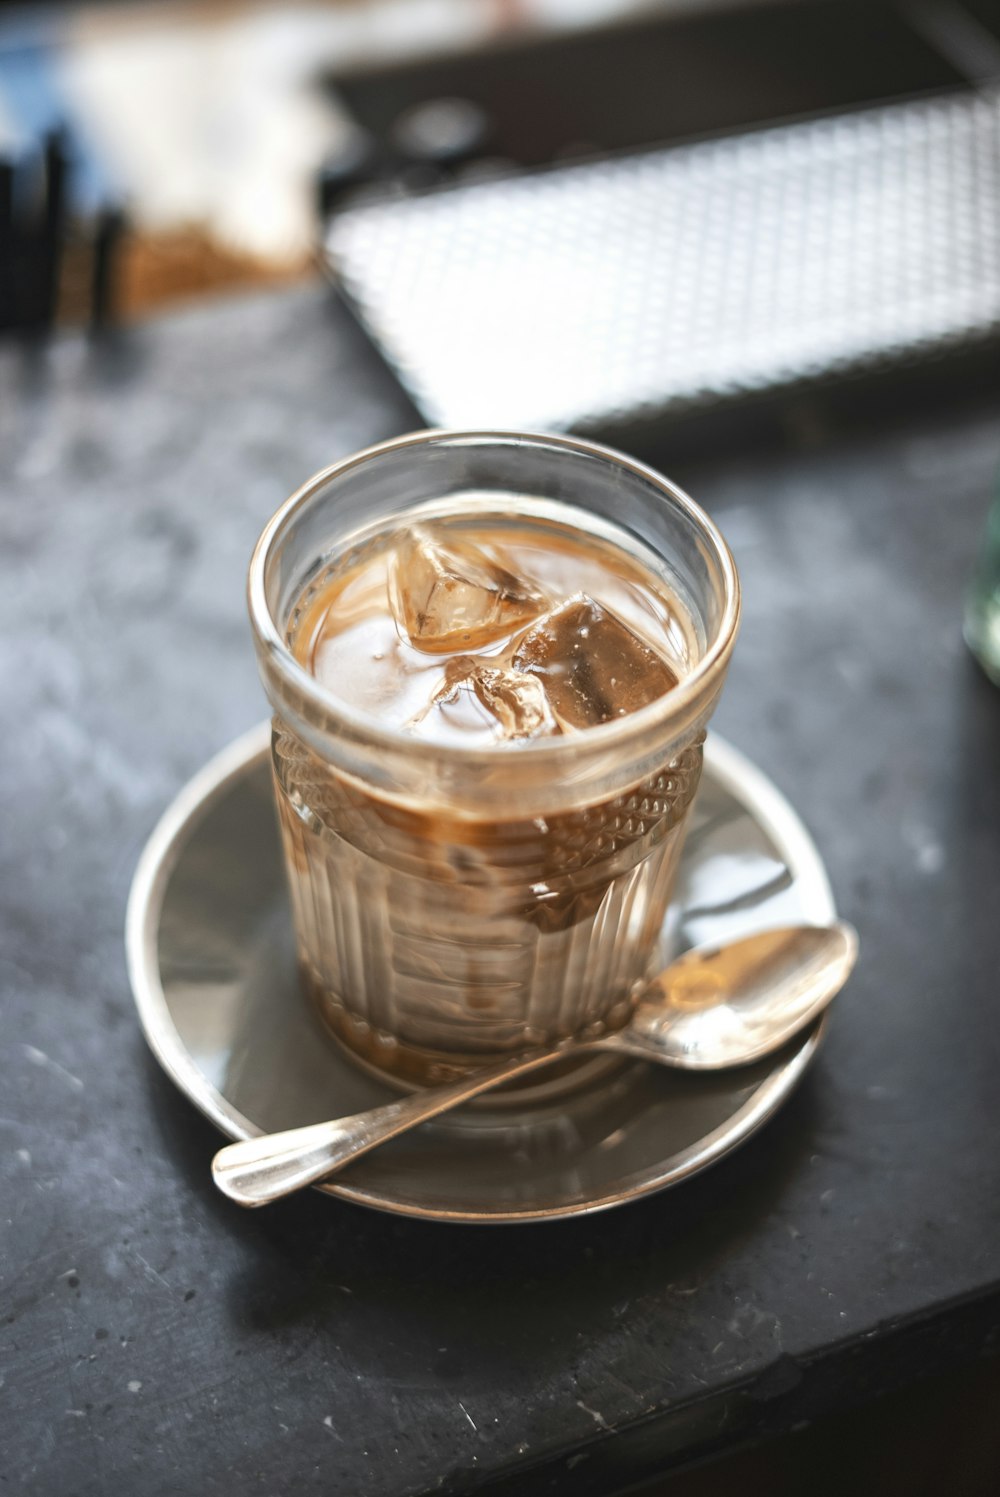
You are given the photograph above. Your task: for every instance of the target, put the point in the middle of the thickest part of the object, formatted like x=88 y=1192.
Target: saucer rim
x=727 y=766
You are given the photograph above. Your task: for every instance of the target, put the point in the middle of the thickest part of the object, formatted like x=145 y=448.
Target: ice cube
x=592 y=665
x=456 y=596
x=514 y=700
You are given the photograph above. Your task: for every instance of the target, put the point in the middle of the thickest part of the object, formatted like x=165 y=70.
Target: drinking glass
x=452 y=904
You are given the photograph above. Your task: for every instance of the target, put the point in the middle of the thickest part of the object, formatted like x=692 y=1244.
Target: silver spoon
x=713 y=1008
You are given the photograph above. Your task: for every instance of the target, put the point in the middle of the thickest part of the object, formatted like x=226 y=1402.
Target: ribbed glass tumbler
x=453 y=904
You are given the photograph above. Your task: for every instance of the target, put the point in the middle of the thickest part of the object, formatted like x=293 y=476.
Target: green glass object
x=982 y=604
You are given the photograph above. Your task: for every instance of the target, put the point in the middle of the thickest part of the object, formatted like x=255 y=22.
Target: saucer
x=211 y=960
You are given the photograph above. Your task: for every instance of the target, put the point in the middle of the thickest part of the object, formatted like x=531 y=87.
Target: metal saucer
x=211 y=959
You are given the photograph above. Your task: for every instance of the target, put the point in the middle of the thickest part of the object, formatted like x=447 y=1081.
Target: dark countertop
x=156 y=1339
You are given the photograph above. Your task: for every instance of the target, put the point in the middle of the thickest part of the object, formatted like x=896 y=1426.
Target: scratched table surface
x=156 y=1339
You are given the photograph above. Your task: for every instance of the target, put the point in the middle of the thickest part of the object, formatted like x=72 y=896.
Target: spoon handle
x=257 y=1171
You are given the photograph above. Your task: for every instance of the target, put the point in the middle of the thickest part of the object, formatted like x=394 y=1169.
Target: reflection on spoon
x=711 y=1009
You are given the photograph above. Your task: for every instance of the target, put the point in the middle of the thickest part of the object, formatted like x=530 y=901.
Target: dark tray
x=629 y=291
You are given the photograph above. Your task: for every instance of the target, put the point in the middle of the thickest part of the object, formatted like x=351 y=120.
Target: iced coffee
x=482 y=781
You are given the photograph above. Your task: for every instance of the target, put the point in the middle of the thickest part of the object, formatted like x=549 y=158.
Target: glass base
x=408 y=1068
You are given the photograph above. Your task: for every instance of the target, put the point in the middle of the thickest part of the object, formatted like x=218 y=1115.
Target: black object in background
x=108 y=233
x=32 y=233
x=36 y=224
x=640 y=84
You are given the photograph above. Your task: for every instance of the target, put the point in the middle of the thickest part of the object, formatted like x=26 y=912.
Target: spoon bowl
x=729 y=1005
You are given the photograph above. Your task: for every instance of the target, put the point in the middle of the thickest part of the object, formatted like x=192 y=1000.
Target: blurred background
x=676 y=205
x=214 y=126
x=666 y=223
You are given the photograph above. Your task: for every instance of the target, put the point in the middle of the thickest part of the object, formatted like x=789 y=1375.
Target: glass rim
x=616 y=734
